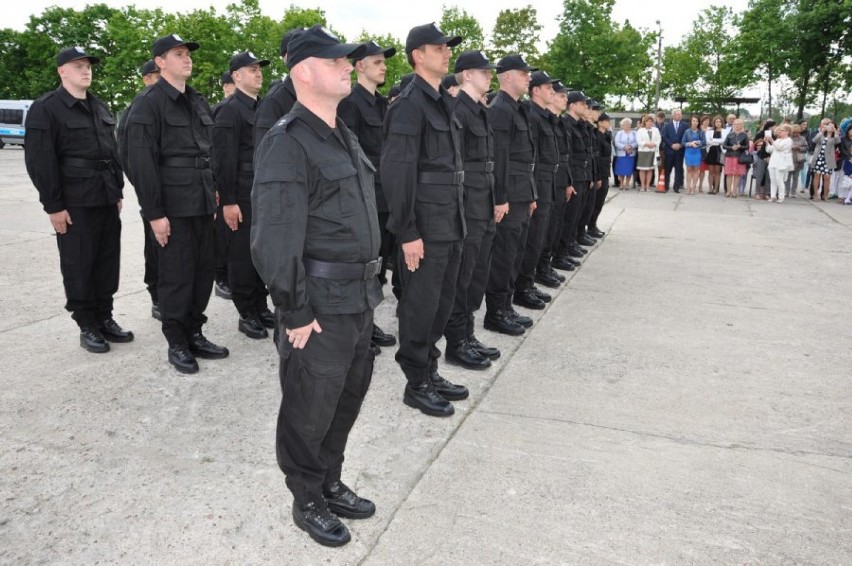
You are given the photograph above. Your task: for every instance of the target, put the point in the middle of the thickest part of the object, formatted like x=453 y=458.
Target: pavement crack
x=677 y=439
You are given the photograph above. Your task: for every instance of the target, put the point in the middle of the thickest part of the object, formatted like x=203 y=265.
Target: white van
x=13 y=115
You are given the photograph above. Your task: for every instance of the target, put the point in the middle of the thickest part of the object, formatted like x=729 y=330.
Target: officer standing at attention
x=581 y=173
x=315 y=241
x=545 y=272
x=280 y=97
x=363 y=112
x=222 y=285
x=168 y=142
x=546 y=166
x=604 y=157
x=233 y=153
x=514 y=165
x=473 y=73
x=150 y=75
x=423 y=175
x=589 y=123
x=72 y=159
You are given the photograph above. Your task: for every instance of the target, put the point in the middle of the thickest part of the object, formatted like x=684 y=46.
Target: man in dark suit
x=672 y=134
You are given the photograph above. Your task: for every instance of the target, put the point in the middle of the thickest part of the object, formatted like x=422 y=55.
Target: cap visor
x=92 y=60
x=389 y=52
x=191 y=45
x=342 y=50
x=452 y=41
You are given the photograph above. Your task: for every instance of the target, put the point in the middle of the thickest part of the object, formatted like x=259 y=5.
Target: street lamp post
x=659 y=60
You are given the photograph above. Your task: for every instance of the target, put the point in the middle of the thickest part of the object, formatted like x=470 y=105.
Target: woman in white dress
x=648 y=144
x=780 y=160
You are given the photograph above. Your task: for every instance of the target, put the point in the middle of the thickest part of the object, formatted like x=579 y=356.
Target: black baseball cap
x=558 y=86
x=603 y=116
x=72 y=54
x=429 y=34
x=404 y=80
x=319 y=42
x=245 y=59
x=448 y=81
x=373 y=48
x=472 y=60
x=226 y=78
x=576 y=96
x=170 y=42
x=539 y=78
x=595 y=105
x=148 y=67
x=513 y=63
x=287 y=38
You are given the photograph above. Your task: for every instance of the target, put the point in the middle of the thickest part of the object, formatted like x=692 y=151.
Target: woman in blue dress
x=625 y=152
x=693 y=141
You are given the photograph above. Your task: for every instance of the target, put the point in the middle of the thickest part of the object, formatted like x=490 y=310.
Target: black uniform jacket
x=313 y=198
x=563 y=174
x=514 y=151
x=422 y=166
x=477 y=149
x=603 y=146
x=364 y=113
x=277 y=102
x=71 y=153
x=168 y=152
x=581 y=162
x=233 y=148
x=547 y=151
x=594 y=150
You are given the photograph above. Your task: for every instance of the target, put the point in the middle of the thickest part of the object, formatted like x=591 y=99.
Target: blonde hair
x=786 y=127
x=626 y=121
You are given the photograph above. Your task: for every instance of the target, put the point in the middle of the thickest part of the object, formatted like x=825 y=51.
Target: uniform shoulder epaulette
x=286 y=121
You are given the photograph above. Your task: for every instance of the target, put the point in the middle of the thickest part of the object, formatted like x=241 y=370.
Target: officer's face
x=521 y=80
x=76 y=74
x=545 y=92
x=176 y=63
x=373 y=68
x=435 y=59
x=560 y=101
x=481 y=79
x=249 y=78
x=331 y=77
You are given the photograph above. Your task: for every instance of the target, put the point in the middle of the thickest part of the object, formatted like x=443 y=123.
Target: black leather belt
x=97 y=164
x=521 y=167
x=186 y=162
x=440 y=178
x=329 y=270
x=479 y=166
x=247 y=167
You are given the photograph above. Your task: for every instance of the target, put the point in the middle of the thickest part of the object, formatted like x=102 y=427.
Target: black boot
x=462 y=354
x=155 y=311
x=485 y=351
x=114 y=333
x=92 y=340
x=563 y=263
x=203 y=348
x=447 y=390
x=344 y=502
x=499 y=321
x=382 y=338
x=314 y=518
x=523 y=320
x=267 y=318
x=528 y=299
x=423 y=397
x=222 y=289
x=182 y=359
x=544 y=277
x=541 y=294
x=250 y=325
x=586 y=241
x=558 y=276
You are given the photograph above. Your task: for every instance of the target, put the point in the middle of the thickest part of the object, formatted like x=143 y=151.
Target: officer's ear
x=160 y=62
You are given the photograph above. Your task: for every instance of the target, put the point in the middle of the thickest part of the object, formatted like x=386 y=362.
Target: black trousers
x=247 y=289
x=186 y=267
x=572 y=215
x=472 y=279
x=425 y=306
x=387 y=247
x=221 y=246
x=554 y=233
x=588 y=209
x=508 y=251
x=89 y=254
x=674 y=161
x=600 y=200
x=323 y=386
x=536 y=240
x=150 y=253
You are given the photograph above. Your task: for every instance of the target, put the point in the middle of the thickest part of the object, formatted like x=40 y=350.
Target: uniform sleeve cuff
x=409 y=236
x=300 y=317
x=54 y=207
x=154 y=214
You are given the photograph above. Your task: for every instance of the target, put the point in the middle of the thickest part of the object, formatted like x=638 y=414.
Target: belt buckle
x=458 y=177
x=372 y=268
x=532 y=167
x=104 y=163
x=202 y=162
x=489 y=166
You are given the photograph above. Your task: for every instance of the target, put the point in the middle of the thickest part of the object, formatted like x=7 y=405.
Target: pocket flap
x=335 y=171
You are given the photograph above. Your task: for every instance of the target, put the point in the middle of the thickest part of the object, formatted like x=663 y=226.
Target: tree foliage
x=516 y=31
x=456 y=21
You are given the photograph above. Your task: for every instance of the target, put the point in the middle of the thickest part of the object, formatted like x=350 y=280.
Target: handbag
x=745 y=159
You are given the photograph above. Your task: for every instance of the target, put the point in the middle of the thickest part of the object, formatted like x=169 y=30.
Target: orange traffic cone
x=661 y=182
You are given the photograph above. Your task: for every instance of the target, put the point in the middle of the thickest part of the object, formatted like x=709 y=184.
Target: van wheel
x=2 y=145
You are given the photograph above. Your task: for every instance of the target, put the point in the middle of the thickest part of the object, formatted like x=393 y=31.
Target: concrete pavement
x=691 y=406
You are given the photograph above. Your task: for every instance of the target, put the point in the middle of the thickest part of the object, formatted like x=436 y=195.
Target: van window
x=10 y=116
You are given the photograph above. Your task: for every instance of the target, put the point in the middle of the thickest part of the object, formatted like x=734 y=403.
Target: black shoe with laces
x=521 y=319
x=113 y=332
x=267 y=318
x=344 y=502
x=382 y=338
x=182 y=359
x=486 y=351
x=541 y=294
x=222 y=289
x=447 y=390
x=462 y=354
x=203 y=348
x=427 y=400
x=93 y=341
x=251 y=326
x=314 y=517
x=499 y=321
x=155 y=311
x=528 y=299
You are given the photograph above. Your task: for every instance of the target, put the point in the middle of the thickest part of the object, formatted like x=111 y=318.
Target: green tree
x=767 y=35
x=11 y=65
x=516 y=31
x=456 y=21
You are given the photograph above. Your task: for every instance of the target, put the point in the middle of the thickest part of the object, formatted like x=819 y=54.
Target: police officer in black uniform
x=363 y=112
x=315 y=241
x=168 y=142
x=280 y=98
x=581 y=166
x=72 y=159
x=150 y=75
x=514 y=191
x=546 y=166
x=593 y=110
x=545 y=272
x=233 y=153
x=422 y=175
x=473 y=73
x=451 y=84
x=222 y=280
x=604 y=145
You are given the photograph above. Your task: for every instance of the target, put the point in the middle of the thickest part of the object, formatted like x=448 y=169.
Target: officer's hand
x=570 y=192
x=60 y=221
x=413 y=252
x=216 y=193
x=533 y=206
x=500 y=211
x=162 y=230
x=119 y=205
x=298 y=337
x=600 y=184
x=232 y=216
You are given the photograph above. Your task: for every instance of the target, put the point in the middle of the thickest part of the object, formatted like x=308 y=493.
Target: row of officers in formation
x=322 y=188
